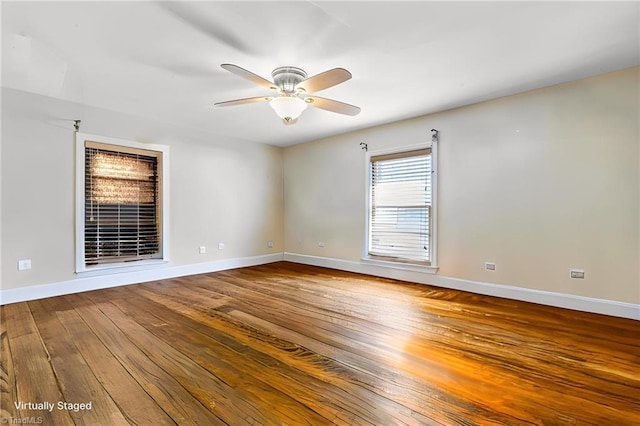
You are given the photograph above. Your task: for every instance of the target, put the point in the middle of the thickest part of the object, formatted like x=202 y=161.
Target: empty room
x=320 y=212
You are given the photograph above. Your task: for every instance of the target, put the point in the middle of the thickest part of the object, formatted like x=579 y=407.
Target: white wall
x=220 y=190
x=539 y=183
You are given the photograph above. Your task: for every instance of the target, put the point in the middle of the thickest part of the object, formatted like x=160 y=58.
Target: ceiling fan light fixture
x=288 y=107
x=293 y=85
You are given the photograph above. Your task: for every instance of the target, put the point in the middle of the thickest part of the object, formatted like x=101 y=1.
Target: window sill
x=117 y=268
x=425 y=269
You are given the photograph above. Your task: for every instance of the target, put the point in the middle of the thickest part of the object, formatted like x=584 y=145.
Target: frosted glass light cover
x=288 y=107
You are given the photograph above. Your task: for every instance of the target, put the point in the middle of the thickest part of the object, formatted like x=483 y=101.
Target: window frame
x=433 y=238
x=80 y=195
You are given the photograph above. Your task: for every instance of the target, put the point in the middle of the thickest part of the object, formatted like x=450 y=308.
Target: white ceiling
x=162 y=60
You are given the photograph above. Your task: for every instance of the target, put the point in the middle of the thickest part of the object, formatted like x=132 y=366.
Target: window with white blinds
x=122 y=208
x=400 y=206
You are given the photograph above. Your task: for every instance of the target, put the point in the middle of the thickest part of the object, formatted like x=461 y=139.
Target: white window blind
x=122 y=204
x=401 y=202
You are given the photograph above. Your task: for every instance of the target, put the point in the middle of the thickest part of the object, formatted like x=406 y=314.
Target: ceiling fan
x=293 y=91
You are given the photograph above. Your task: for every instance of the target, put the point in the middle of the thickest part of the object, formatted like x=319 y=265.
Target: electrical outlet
x=576 y=274
x=320 y=244
x=489 y=266
x=220 y=246
x=202 y=249
x=24 y=264
x=270 y=244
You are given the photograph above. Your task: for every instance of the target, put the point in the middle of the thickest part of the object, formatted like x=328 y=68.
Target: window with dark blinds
x=122 y=204
x=401 y=202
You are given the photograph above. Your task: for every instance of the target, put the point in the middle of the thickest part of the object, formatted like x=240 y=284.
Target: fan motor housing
x=287 y=78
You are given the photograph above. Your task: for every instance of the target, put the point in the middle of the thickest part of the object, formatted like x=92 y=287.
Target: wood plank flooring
x=288 y=344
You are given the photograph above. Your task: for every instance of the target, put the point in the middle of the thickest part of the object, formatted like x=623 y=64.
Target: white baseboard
x=561 y=300
x=97 y=282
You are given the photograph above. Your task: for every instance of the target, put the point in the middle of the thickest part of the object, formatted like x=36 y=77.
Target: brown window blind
x=122 y=204
x=401 y=201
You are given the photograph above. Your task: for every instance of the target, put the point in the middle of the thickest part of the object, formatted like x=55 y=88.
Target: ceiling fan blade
x=324 y=80
x=331 y=105
x=243 y=101
x=239 y=71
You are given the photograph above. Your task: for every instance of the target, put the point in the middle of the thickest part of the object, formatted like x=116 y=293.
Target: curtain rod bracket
x=364 y=146
x=76 y=124
x=434 y=136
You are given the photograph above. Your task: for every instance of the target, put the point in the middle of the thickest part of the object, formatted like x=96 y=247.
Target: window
x=401 y=200
x=121 y=199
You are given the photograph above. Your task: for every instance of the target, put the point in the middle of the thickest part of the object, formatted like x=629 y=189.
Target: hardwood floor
x=299 y=345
